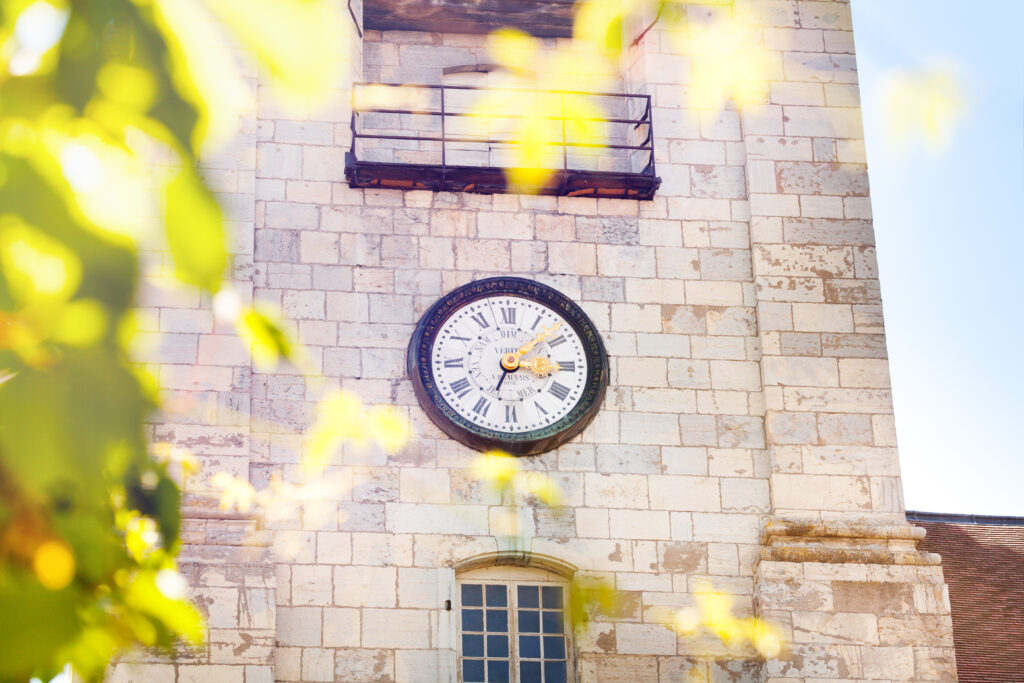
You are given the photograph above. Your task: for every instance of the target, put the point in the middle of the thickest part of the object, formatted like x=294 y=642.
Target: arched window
x=513 y=625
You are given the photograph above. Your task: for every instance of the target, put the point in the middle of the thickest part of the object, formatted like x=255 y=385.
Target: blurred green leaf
x=195 y=231
x=42 y=201
x=34 y=624
x=591 y=598
x=97 y=551
x=70 y=433
x=202 y=69
x=89 y=524
x=155 y=495
x=274 y=27
x=266 y=337
x=35 y=266
x=143 y=594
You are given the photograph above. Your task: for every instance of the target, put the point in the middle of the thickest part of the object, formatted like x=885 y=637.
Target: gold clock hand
x=540 y=366
x=528 y=346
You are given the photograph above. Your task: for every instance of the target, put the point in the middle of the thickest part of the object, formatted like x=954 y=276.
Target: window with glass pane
x=513 y=632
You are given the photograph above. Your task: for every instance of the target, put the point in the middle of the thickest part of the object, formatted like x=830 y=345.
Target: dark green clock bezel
x=483 y=439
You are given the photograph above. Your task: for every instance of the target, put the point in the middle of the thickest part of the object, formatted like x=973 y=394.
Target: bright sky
x=950 y=236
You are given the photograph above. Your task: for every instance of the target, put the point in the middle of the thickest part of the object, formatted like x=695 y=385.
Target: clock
x=508 y=363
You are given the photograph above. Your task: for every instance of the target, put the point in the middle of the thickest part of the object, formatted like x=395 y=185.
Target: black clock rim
x=480 y=438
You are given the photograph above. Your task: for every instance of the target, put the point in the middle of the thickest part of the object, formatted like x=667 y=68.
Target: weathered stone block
x=317 y=665
x=890 y=663
x=364 y=664
x=436 y=519
x=341 y=627
x=875 y=598
x=668 y=492
x=839 y=628
x=915 y=629
x=649 y=639
x=649 y=428
x=822 y=178
x=745 y=495
x=311 y=585
x=356 y=586
x=396 y=628
x=615 y=490
x=299 y=626
x=800 y=370
x=808 y=661
x=794 y=593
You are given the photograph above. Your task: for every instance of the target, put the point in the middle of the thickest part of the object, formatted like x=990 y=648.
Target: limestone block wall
x=667 y=486
x=741 y=313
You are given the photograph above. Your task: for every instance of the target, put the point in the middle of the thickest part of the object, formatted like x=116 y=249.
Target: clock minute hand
x=528 y=346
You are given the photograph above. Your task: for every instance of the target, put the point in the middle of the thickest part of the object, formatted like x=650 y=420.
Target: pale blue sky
x=950 y=237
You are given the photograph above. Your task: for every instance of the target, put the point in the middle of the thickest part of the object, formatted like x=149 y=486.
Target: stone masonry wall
x=741 y=313
x=668 y=484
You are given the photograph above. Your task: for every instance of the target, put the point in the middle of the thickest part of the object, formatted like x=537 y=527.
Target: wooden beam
x=542 y=18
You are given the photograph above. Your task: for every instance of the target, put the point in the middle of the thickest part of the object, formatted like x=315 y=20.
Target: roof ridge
x=958 y=518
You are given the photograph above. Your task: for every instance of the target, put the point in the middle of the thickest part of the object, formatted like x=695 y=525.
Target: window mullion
x=513 y=635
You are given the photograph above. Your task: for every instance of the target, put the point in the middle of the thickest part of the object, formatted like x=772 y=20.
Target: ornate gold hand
x=540 y=366
x=528 y=346
x=512 y=361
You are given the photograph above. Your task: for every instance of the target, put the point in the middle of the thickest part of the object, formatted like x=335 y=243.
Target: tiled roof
x=983 y=562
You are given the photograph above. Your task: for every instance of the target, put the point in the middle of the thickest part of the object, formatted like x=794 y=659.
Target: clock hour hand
x=540 y=366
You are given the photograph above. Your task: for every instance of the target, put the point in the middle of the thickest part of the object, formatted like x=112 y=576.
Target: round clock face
x=508 y=363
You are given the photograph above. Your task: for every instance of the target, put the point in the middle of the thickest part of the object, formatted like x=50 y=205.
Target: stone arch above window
x=540 y=561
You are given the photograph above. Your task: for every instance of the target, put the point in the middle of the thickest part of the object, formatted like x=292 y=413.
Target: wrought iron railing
x=435 y=137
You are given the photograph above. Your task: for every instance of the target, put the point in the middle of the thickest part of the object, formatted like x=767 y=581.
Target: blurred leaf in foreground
x=924 y=106
x=342 y=418
x=714 y=614
x=104 y=106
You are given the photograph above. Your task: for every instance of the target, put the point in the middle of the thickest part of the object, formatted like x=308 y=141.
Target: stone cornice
x=844 y=542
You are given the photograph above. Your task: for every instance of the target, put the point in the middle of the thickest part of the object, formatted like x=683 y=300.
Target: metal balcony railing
x=433 y=137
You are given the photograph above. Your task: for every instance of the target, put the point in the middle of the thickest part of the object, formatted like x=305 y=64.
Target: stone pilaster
x=839 y=570
x=856 y=601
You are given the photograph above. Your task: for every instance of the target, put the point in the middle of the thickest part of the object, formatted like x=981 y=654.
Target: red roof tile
x=984 y=569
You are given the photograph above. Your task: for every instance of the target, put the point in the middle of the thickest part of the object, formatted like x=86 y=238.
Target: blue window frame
x=512 y=632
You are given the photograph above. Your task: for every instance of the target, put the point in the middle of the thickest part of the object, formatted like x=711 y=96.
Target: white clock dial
x=466 y=361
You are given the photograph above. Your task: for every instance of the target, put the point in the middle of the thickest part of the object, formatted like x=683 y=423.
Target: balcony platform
x=483 y=180
x=426 y=146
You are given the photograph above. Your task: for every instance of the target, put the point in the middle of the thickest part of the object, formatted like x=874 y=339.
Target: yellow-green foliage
x=91 y=93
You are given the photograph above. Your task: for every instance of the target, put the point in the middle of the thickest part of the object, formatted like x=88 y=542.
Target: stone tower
x=746 y=437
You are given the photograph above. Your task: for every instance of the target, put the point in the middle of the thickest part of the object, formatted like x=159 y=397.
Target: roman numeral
x=461 y=387
x=559 y=391
x=560 y=339
x=455 y=363
x=508 y=315
x=480 y=320
x=482 y=406
x=567 y=365
x=535 y=323
x=510 y=414
x=540 y=409
x=465 y=339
